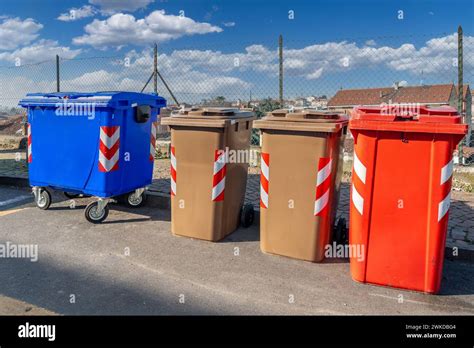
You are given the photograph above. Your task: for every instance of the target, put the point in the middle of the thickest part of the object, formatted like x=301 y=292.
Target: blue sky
x=260 y=20
x=328 y=44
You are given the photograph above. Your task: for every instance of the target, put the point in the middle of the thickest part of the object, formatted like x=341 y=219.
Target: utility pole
x=58 y=89
x=280 y=56
x=460 y=88
x=155 y=68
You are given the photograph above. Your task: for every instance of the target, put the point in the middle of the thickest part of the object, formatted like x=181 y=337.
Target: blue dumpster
x=97 y=144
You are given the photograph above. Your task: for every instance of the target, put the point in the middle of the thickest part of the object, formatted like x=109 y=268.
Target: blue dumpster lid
x=101 y=99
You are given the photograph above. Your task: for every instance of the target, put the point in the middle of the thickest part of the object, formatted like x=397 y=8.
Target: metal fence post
x=460 y=89
x=155 y=68
x=280 y=58
x=58 y=89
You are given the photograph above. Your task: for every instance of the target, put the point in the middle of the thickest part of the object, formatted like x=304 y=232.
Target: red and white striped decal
x=360 y=171
x=323 y=186
x=109 y=149
x=446 y=173
x=264 y=179
x=30 y=152
x=218 y=178
x=153 y=141
x=173 y=171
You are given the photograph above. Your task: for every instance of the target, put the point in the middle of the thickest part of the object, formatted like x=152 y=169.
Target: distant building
x=311 y=102
x=320 y=103
x=430 y=95
x=254 y=103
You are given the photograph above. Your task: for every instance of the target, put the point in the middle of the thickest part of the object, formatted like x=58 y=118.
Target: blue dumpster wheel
x=247 y=215
x=132 y=201
x=93 y=216
x=44 y=199
x=341 y=235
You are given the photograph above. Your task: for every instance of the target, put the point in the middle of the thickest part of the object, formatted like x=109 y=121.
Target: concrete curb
x=14 y=181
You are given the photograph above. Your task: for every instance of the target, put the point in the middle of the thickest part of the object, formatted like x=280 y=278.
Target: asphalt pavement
x=132 y=264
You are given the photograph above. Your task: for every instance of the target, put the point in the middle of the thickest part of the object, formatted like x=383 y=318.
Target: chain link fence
x=323 y=75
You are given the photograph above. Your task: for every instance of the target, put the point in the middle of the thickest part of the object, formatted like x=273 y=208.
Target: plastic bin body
x=300 y=178
x=103 y=154
x=400 y=195
x=207 y=193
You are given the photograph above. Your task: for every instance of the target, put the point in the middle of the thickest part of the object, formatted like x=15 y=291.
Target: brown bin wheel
x=340 y=232
x=247 y=215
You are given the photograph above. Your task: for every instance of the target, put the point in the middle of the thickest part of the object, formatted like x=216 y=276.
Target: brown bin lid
x=305 y=120
x=207 y=117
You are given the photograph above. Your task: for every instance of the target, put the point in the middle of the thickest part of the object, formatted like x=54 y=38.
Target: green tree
x=267 y=105
x=219 y=100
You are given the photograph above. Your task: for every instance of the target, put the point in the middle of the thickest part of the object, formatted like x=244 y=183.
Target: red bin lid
x=408 y=118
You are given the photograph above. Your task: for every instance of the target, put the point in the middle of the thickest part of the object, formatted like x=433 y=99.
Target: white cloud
x=315 y=74
x=311 y=62
x=122 y=29
x=15 y=88
x=114 y=6
x=438 y=54
x=203 y=84
x=15 y=32
x=77 y=13
x=91 y=79
x=228 y=24
x=401 y=83
x=196 y=74
x=38 y=52
x=370 y=43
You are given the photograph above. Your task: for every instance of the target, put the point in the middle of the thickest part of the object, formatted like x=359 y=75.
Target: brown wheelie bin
x=301 y=172
x=209 y=171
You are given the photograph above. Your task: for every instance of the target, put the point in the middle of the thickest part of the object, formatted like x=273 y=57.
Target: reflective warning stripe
x=357 y=200
x=325 y=171
x=264 y=179
x=153 y=141
x=360 y=171
x=218 y=178
x=359 y=168
x=445 y=180
x=323 y=185
x=443 y=206
x=173 y=171
x=109 y=135
x=30 y=151
x=446 y=172
x=321 y=203
x=109 y=149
